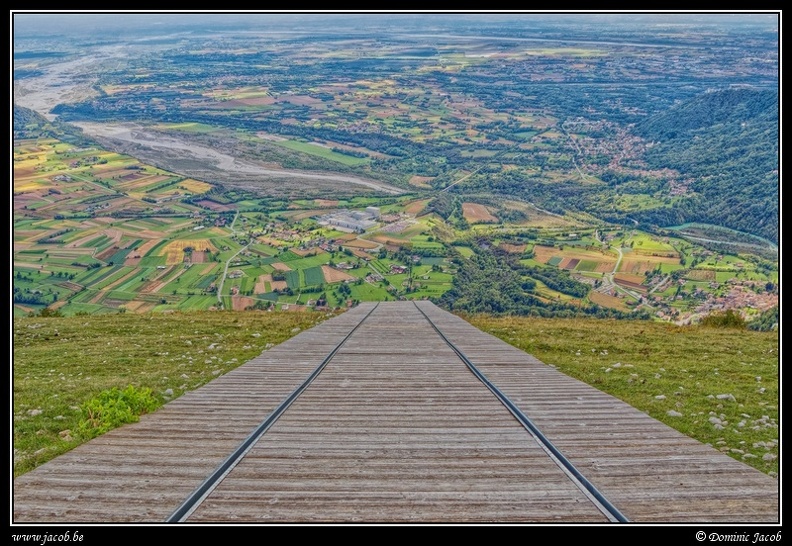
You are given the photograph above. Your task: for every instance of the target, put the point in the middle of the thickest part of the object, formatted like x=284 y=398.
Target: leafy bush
x=113 y=408
x=765 y=322
x=727 y=319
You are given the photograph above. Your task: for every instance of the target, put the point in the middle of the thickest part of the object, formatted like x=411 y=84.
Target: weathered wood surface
x=650 y=471
x=395 y=429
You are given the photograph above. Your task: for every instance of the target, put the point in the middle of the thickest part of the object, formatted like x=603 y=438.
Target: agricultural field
x=99 y=232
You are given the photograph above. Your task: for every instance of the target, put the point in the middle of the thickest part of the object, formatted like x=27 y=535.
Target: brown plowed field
x=332 y=275
x=279 y=285
x=513 y=249
x=360 y=243
x=261 y=287
x=608 y=301
x=544 y=253
x=239 y=303
x=635 y=267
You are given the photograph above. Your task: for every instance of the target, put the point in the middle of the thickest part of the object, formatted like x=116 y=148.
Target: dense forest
x=726 y=142
x=496 y=283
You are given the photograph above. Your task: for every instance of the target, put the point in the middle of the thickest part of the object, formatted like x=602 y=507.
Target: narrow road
x=228 y=262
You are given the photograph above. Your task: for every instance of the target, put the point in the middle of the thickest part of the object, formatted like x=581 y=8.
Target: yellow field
x=174 y=251
x=195 y=186
x=27 y=186
x=543 y=253
x=701 y=275
x=643 y=264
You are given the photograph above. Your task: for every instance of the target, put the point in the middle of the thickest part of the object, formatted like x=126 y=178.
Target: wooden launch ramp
x=395 y=412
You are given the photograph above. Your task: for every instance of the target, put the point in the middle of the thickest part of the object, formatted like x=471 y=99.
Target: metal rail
x=589 y=489
x=210 y=483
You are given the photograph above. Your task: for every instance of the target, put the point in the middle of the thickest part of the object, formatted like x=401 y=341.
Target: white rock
x=769 y=457
x=729 y=397
x=660 y=397
x=672 y=413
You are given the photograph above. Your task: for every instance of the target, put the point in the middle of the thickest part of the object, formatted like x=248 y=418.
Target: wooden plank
x=623 y=451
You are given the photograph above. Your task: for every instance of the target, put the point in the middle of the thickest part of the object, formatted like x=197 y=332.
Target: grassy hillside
x=62 y=363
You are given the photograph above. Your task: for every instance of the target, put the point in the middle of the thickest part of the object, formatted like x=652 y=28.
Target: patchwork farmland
x=99 y=232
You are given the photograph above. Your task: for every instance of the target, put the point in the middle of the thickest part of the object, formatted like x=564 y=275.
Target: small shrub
x=113 y=408
x=727 y=319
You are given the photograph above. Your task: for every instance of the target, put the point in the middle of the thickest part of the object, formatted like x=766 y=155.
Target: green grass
x=586 y=265
x=292 y=279
x=62 y=363
x=314 y=276
x=321 y=151
x=690 y=366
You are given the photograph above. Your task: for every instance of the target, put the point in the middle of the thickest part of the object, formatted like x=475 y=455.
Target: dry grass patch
x=174 y=251
x=513 y=249
x=332 y=275
x=475 y=213
x=421 y=181
x=605 y=300
x=195 y=186
x=360 y=243
x=416 y=207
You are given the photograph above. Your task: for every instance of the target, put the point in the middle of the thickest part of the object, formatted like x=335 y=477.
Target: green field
x=323 y=152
